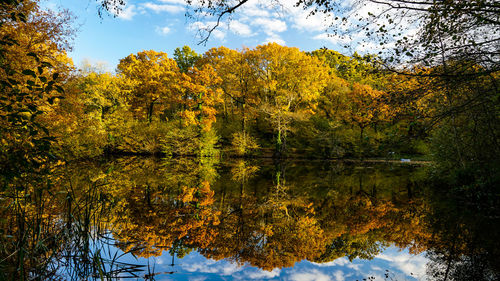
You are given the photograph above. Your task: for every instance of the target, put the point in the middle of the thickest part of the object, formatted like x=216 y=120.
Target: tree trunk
x=150 y=111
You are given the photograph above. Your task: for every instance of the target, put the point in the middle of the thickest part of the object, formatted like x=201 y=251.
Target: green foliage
x=243 y=144
x=185 y=58
x=181 y=141
x=360 y=69
x=208 y=144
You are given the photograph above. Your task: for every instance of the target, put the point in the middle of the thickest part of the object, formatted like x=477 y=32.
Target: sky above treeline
x=162 y=25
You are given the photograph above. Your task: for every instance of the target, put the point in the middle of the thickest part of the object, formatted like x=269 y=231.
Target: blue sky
x=161 y=25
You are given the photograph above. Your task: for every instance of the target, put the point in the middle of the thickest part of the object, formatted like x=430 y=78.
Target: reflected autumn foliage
x=264 y=215
x=258 y=216
x=275 y=230
x=150 y=222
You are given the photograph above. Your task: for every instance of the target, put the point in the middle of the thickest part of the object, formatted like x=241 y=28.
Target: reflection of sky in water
x=195 y=267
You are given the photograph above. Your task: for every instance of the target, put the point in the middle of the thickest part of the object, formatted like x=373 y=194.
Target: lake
x=210 y=219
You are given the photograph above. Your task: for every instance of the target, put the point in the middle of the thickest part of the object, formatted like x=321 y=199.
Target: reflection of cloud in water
x=376 y=268
x=261 y=274
x=337 y=262
x=225 y=268
x=198 y=278
x=310 y=275
x=339 y=275
x=159 y=260
x=212 y=266
x=401 y=265
x=354 y=266
x=411 y=265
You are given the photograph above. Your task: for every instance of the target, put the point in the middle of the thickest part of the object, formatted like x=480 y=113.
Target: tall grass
x=59 y=234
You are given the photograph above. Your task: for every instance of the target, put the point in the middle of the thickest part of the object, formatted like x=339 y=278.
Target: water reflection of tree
x=150 y=221
x=465 y=227
x=163 y=205
x=56 y=228
x=275 y=230
x=244 y=212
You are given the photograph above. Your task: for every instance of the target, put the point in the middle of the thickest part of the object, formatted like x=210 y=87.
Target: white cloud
x=332 y=38
x=176 y=2
x=311 y=23
x=274 y=38
x=313 y=275
x=364 y=47
x=255 y=9
x=270 y=26
x=127 y=13
x=158 y=8
x=219 y=34
x=163 y=30
x=201 y=28
x=303 y=20
x=239 y=28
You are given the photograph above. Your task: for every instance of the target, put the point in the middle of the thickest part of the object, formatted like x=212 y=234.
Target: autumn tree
x=366 y=107
x=33 y=64
x=153 y=221
x=203 y=91
x=237 y=85
x=91 y=117
x=153 y=78
x=288 y=82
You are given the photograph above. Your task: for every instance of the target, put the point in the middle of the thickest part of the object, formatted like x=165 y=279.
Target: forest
x=266 y=102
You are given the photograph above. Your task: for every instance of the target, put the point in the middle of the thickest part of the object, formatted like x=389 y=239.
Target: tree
x=185 y=58
x=288 y=83
x=33 y=64
x=237 y=83
x=88 y=119
x=153 y=78
x=202 y=91
x=366 y=106
x=361 y=69
x=454 y=29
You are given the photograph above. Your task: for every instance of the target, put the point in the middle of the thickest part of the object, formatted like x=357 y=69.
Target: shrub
x=243 y=143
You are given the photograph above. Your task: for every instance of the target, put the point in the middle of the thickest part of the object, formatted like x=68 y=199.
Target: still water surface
x=189 y=219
